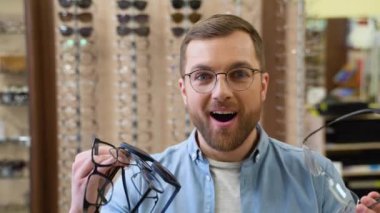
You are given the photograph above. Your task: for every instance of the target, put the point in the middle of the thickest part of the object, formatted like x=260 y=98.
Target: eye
x=239 y=74
x=203 y=76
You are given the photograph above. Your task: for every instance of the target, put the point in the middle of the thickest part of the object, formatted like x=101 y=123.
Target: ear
x=182 y=87
x=264 y=86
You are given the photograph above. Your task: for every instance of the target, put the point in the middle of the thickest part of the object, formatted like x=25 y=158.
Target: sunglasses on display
x=69 y=31
x=125 y=4
x=140 y=18
x=179 y=17
x=84 y=4
x=84 y=17
x=178 y=31
x=194 y=4
x=125 y=31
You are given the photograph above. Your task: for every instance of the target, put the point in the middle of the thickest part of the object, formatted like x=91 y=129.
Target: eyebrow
x=235 y=65
x=239 y=64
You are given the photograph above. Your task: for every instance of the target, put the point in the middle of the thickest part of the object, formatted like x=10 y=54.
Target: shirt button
x=257 y=157
x=194 y=156
x=208 y=178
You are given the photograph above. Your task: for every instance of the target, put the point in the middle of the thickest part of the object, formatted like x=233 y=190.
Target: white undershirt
x=226 y=176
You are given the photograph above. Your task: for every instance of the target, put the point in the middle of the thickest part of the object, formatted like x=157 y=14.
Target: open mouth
x=223 y=116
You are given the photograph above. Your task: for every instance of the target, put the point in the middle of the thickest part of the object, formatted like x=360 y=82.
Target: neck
x=236 y=155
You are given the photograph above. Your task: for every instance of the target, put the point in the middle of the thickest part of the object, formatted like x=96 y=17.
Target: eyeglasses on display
x=140 y=31
x=125 y=4
x=194 y=4
x=69 y=31
x=139 y=18
x=80 y=3
x=178 y=31
x=84 y=17
x=179 y=17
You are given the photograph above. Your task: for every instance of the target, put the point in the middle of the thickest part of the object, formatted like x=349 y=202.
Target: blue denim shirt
x=274 y=178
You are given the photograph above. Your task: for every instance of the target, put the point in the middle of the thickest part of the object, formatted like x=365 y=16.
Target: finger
x=368 y=200
x=374 y=194
x=361 y=208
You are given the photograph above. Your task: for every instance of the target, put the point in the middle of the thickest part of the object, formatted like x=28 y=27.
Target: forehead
x=221 y=51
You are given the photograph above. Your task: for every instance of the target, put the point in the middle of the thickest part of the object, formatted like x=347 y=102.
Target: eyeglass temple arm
x=171 y=199
x=340 y=118
x=141 y=200
x=125 y=187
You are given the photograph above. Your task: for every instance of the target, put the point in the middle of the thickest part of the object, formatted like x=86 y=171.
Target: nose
x=221 y=90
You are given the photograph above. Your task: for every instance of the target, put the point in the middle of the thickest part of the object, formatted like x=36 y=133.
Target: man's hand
x=81 y=169
x=369 y=203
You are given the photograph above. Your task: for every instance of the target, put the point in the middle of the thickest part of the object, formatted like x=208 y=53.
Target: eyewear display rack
x=14 y=105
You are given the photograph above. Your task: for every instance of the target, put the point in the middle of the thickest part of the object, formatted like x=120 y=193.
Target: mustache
x=216 y=104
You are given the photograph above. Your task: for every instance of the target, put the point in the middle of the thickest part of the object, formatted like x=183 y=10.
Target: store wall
x=102 y=87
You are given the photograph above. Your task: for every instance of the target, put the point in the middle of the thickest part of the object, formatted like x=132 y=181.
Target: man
x=228 y=163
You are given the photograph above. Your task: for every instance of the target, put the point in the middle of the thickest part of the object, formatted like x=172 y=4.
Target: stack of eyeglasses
x=134 y=77
x=141 y=174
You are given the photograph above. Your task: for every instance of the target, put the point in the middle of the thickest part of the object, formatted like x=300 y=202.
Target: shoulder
x=290 y=154
x=173 y=154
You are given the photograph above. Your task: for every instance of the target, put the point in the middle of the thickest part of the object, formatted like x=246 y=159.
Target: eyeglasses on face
x=69 y=31
x=125 y=4
x=68 y=16
x=140 y=31
x=239 y=79
x=80 y=3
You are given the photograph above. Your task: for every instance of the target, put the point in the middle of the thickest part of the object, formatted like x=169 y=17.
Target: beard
x=226 y=139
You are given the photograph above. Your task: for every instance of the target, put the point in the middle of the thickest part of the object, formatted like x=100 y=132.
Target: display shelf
x=364 y=184
x=17 y=140
x=357 y=146
x=14 y=208
x=361 y=170
x=14 y=98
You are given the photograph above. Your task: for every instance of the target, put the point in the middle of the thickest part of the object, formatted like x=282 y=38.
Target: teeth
x=223 y=113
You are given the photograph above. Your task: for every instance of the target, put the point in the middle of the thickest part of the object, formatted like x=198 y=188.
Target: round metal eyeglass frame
x=211 y=85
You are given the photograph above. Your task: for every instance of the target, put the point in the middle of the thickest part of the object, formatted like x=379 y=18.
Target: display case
x=356 y=144
x=14 y=110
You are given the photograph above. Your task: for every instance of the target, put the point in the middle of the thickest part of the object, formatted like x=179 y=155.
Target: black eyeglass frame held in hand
x=125 y=155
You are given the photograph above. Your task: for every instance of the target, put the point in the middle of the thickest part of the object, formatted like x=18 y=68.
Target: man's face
x=224 y=117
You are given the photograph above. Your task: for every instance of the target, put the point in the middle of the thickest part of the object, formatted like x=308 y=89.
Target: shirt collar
x=261 y=147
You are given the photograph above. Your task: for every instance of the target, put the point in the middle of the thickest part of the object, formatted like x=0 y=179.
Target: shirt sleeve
x=333 y=194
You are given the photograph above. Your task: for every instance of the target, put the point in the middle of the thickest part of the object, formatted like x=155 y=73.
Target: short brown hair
x=220 y=25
